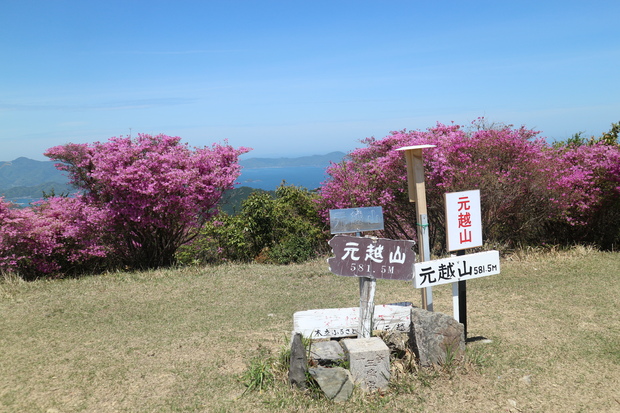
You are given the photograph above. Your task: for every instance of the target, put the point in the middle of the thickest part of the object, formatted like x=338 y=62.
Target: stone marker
x=369 y=362
x=436 y=336
x=299 y=363
x=327 y=353
x=335 y=382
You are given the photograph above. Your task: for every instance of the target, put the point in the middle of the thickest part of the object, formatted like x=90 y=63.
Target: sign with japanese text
x=349 y=220
x=372 y=257
x=344 y=322
x=463 y=220
x=457 y=268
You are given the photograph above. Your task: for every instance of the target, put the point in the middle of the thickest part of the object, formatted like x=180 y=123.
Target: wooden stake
x=368 y=286
x=417 y=194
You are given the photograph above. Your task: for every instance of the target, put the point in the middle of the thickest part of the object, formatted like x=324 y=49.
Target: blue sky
x=291 y=78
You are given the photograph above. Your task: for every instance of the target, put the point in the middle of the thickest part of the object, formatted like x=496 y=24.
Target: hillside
x=28 y=178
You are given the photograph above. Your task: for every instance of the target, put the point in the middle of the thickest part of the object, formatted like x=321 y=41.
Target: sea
x=309 y=177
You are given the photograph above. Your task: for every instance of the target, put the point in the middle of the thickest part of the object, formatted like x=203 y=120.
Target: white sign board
x=458 y=268
x=463 y=220
x=344 y=322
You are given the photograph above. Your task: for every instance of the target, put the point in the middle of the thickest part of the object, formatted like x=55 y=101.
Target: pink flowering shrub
x=60 y=235
x=593 y=174
x=526 y=185
x=23 y=243
x=153 y=192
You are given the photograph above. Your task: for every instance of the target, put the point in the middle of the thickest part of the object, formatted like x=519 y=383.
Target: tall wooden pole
x=417 y=194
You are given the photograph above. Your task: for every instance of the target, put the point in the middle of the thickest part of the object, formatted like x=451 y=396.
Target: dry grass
x=179 y=340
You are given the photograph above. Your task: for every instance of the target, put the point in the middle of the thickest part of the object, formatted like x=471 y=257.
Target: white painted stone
x=369 y=362
x=344 y=322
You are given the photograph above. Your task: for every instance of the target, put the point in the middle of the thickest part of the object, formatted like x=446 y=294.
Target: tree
x=155 y=191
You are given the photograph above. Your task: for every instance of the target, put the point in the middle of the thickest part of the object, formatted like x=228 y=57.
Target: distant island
x=313 y=160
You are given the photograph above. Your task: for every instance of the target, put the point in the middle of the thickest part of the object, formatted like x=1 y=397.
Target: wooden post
x=417 y=194
x=368 y=286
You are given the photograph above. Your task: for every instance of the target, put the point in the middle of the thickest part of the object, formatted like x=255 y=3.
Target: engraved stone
x=369 y=362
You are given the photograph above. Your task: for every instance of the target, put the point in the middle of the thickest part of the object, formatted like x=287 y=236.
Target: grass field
x=179 y=340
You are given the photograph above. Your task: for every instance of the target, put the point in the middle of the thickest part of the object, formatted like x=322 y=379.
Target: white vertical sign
x=463 y=220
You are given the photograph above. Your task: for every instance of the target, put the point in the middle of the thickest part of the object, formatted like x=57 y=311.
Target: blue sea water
x=269 y=179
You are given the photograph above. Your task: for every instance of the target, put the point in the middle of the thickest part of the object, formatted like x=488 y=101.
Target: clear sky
x=291 y=78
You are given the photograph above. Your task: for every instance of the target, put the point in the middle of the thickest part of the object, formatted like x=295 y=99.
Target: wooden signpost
x=367 y=258
x=417 y=194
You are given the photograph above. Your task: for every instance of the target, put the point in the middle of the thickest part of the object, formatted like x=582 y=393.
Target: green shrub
x=281 y=229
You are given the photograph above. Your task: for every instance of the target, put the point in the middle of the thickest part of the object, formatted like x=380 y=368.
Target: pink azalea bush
x=61 y=234
x=155 y=191
x=139 y=200
x=527 y=186
x=593 y=174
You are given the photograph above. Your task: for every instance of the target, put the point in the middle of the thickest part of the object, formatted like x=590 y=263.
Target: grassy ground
x=179 y=340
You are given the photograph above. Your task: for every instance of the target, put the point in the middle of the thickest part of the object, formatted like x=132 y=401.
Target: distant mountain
x=28 y=178
x=313 y=160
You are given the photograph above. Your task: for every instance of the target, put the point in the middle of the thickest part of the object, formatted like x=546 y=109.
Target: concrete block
x=369 y=362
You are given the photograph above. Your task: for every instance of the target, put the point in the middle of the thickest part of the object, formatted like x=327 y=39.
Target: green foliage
x=578 y=139
x=282 y=228
x=259 y=374
x=233 y=199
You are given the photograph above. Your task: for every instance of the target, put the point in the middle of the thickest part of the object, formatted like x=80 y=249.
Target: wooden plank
x=344 y=322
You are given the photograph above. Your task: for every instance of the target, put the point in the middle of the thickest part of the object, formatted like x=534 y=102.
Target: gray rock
x=299 y=363
x=327 y=353
x=335 y=382
x=398 y=342
x=437 y=337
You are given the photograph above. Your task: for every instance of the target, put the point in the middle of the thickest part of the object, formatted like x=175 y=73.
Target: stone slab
x=299 y=363
x=327 y=353
x=344 y=322
x=335 y=382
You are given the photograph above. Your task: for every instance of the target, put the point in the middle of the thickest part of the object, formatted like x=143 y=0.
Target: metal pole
x=462 y=300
